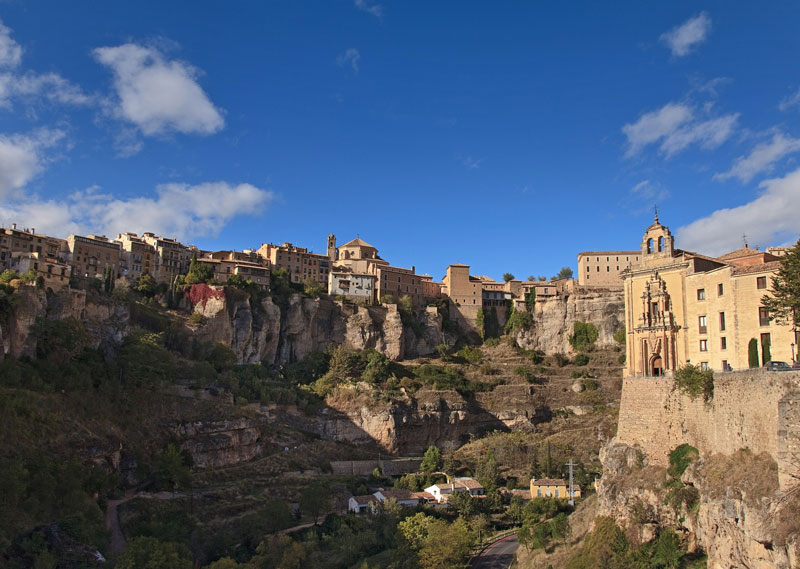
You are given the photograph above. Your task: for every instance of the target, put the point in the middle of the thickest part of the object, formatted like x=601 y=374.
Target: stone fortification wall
x=751 y=409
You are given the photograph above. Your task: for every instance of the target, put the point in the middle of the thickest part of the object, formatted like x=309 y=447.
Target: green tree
x=542 y=278
x=432 y=461
x=462 y=503
x=564 y=273
x=150 y=553
x=313 y=288
x=480 y=323
x=531 y=278
x=620 y=336
x=172 y=467
x=447 y=545
x=508 y=277
x=145 y=284
x=378 y=367
x=784 y=302
x=766 y=354
x=752 y=352
x=416 y=529
x=693 y=381
x=8 y=275
x=584 y=334
x=199 y=272
x=315 y=501
x=488 y=471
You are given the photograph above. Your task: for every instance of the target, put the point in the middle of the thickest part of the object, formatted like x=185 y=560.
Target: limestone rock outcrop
x=554 y=318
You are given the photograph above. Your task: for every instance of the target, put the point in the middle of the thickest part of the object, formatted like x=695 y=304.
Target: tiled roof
x=743 y=252
x=760 y=268
x=549 y=482
x=365 y=499
x=423 y=495
x=400 y=494
x=357 y=242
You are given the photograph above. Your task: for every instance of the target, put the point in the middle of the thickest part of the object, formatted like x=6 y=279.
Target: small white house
x=402 y=497
x=441 y=492
x=361 y=504
x=354 y=286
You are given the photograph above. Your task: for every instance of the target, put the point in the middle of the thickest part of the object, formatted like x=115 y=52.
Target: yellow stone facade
x=553 y=488
x=683 y=307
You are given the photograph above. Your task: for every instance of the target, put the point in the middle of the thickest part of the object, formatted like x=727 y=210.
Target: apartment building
x=53 y=270
x=683 y=307
x=90 y=255
x=137 y=257
x=15 y=242
x=353 y=286
x=247 y=264
x=171 y=258
x=299 y=262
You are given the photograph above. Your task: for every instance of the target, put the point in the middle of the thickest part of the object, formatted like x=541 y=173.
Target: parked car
x=778 y=366
x=796 y=365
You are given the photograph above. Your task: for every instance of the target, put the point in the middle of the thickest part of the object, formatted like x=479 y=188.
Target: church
x=686 y=308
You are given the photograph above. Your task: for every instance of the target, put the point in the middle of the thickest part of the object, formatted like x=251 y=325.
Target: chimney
x=13 y=226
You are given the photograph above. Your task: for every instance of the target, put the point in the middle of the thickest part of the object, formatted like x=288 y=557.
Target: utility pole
x=571 y=491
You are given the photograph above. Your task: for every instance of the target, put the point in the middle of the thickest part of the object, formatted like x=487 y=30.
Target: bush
x=581 y=360
x=693 y=381
x=471 y=354
x=560 y=359
x=752 y=353
x=620 y=335
x=491 y=342
x=584 y=335
x=591 y=385
x=525 y=373
x=198 y=319
x=536 y=356
x=680 y=458
x=622 y=359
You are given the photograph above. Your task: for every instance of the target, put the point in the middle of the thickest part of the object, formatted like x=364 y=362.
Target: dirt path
x=117 y=541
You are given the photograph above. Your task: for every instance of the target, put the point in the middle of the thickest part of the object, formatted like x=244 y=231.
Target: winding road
x=499 y=555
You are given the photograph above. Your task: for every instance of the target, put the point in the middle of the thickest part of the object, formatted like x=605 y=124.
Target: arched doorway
x=657 y=366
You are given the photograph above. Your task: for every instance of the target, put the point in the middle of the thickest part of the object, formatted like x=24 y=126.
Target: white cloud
x=681 y=39
x=762 y=158
x=21 y=158
x=159 y=96
x=30 y=85
x=10 y=50
x=177 y=210
x=349 y=57
x=471 y=163
x=770 y=218
x=790 y=101
x=674 y=125
x=370 y=7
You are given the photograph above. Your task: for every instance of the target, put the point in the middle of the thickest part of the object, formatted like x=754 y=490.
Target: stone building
x=53 y=270
x=137 y=257
x=246 y=264
x=171 y=257
x=353 y=286
x=16 y=242
x=299 y=262
x=604 y=268
x=683 y=307
x=90 y=255
x=553 y=488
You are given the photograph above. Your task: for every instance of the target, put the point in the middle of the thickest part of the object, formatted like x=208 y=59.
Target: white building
x=441 y=492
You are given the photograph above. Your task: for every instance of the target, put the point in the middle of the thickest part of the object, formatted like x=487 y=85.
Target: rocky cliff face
x=555 y=317
x=442 y=418
x=742 y=519
x=275 y=335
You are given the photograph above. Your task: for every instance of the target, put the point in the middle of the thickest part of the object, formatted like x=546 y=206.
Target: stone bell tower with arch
x=658 y=244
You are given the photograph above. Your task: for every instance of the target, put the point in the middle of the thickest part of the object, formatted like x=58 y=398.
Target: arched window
x=660 y=244
x=649 y=246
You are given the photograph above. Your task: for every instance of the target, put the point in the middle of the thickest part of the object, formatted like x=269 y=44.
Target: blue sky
x=509 y=136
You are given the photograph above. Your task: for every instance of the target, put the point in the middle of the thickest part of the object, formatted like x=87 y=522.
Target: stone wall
x=751 y=409
x=392 y=467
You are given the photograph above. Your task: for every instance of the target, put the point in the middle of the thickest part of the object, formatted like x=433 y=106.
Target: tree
x=752 y=352
x=150 y=553
x=172 y=468
x=145 y=284
x=693 y=381
x=620 y=335
x=542 y=278
x=315 y=501
x=488 y=471
x=378 y=367
x=313 y=288
x=531 y=278
x=462 y=503
x=784 y=303
x=199 y=272
x=508 y=277
x=584 y=334
x=564 y=273
x=432 y=461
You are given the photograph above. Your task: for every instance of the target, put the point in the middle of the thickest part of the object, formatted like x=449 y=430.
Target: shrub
x=620 y=335
x=622 y=359
x=693 y=381
x=488 y=369
x=680 y=458
x=752 y=353
x=591 y=385
x=492 y=342
x=536 y=356
x=584 y=334
x=581 y=360
x=560 y=359
x=198 y=319
x=525 y=373
x=313 y=288
x=472 y=354
x=518 y=320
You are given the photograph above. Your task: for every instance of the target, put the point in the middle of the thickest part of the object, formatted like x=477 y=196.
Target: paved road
x=499 y=555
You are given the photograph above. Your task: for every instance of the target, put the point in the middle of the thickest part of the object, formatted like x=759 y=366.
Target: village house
x=441 y=492
x=15 y=242
x=361 y=504
x=683 y=307
x=353 y=286
x=246 y=264
x=53 y=271
x=371 y=502
x=553 y=488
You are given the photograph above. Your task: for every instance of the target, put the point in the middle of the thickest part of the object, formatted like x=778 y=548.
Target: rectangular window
x=721 y=321
x=723 y=343
x=702 y=323
x=761 y=282
x=704 y=366
x=703 y=345
x=720 y=289
x=701 y=294
x=763 y=316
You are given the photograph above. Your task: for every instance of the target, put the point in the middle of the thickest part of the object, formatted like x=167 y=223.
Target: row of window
x=761 y=283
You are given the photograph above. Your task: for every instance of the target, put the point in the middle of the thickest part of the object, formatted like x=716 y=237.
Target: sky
x=509 y=136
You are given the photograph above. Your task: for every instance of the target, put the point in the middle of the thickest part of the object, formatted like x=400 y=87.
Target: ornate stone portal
x=657 y=330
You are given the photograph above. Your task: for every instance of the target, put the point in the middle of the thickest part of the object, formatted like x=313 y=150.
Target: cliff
x=554 y=318
x=740 y=496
